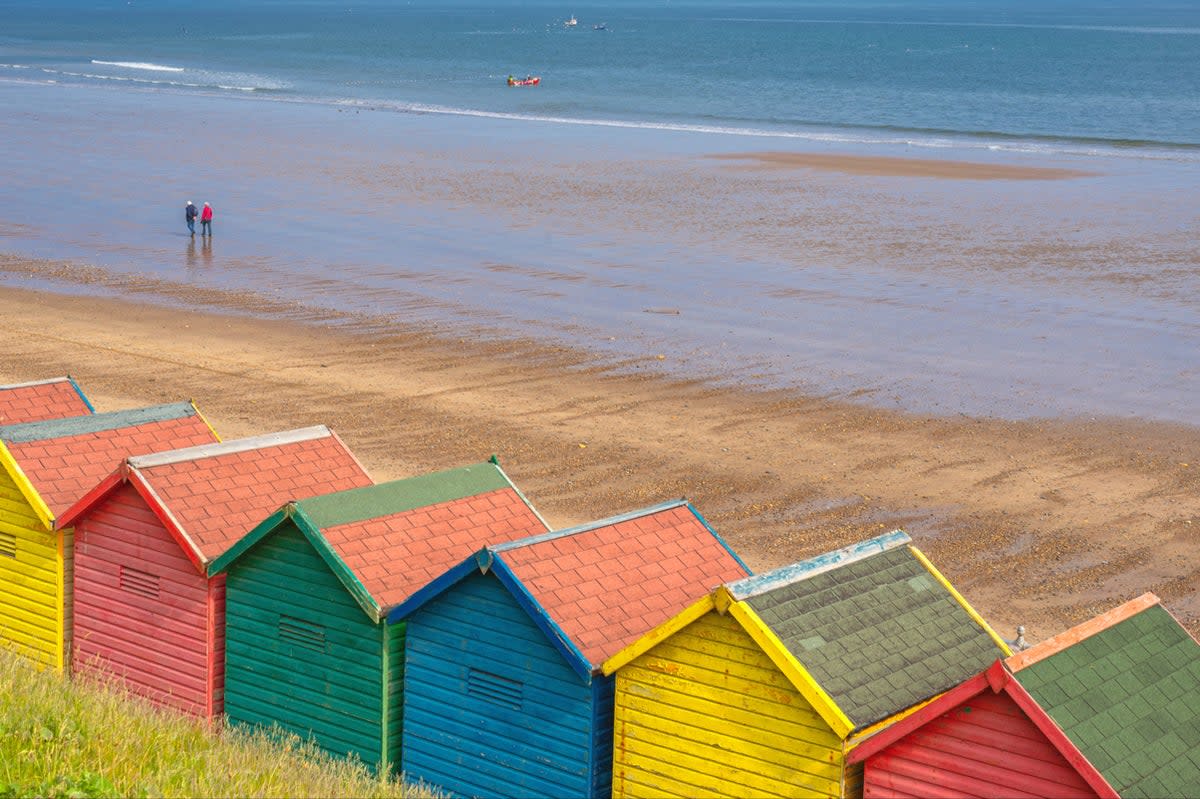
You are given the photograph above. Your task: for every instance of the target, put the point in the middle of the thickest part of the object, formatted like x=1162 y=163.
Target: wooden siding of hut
x=301 y=653
x=984 y=747
x=707 y=712
x=491 y=708
x=143 y=612
x=32 y=567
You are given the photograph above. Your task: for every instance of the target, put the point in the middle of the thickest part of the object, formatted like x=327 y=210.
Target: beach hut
x=307 y=591
x=503 y=694
x=40 y=400
x=44 y=467
x=1108 y=708
x=762 y=686
x=146 y=610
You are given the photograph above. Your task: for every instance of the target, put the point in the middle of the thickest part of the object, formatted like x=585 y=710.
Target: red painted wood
x=987 y=752
x=216 y=646
x=162 y=646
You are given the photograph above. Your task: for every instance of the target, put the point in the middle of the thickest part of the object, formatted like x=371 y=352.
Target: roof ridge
x=1080 y=632
x=32 y=383
x=318 y=509
x=802 y=570
x=93 y=423
x=228 y=447
x=583 y=528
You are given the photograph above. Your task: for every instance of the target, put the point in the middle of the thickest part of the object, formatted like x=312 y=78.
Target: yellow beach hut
x=45 y=467
x=763 y=686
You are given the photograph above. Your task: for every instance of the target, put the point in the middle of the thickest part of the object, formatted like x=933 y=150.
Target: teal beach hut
x=308 y=589
x=503 y=692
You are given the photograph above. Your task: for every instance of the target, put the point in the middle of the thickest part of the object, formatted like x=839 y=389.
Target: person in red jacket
x=206 y=220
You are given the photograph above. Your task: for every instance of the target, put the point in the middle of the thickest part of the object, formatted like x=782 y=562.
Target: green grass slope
x=62 y=738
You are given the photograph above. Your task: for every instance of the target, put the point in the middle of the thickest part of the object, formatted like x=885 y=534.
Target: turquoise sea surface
x=370 y=167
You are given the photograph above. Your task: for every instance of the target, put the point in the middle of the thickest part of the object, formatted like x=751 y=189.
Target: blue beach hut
x=503 y=692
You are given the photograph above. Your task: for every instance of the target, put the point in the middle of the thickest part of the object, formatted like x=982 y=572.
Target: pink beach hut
x=146 y=609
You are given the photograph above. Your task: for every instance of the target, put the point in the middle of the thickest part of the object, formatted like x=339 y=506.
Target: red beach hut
x=44 y=467
x=56 y=398
x=146 y=609
x=1108 y=708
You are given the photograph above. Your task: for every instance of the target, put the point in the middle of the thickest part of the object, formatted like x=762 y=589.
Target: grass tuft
x=60 y=738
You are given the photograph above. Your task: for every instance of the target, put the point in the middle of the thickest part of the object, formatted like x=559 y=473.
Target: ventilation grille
x=139 y=582
x=302 y=633
x=494 y=688
x=8 y=545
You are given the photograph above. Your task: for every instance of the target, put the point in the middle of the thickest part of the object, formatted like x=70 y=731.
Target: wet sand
x=1039 y=523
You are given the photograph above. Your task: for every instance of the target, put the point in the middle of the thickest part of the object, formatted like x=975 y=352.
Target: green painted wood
x=328 y=692
x=395 y=687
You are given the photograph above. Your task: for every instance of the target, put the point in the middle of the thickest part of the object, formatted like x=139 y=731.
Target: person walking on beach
x=206 y=220
x=189 y=213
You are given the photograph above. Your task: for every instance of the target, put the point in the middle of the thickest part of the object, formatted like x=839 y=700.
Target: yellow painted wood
x=204 y=419
x=690 y=722
x=959 y=598
x=32 y=597
x=792 y=668
x=659 y=633
x=32 y=498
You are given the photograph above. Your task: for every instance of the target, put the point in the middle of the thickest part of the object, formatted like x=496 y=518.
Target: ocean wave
x=818 y=132
x=796 y=130
x=203 y=80
x=138 y=65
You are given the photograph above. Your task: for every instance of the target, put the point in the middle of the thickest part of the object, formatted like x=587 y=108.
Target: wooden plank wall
x=300 y=652
x=984 y=747
x=706 y=714
x=141 y=607
x=491 y=708
x=603 y=692
x=30 y=599
x=395 y=688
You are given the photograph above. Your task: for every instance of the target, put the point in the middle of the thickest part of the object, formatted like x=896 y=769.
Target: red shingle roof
x=608 y=585
x=397 y=554
x=36 y=402
x=65 y=468
x=218 y=493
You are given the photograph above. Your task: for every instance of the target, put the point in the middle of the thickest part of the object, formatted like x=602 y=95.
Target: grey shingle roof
x=878 y=634
x=1129 y=698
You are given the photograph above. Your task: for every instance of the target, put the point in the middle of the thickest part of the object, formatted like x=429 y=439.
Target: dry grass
x=60 y=738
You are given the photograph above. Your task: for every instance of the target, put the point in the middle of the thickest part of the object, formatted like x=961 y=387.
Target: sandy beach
x=1038 y=523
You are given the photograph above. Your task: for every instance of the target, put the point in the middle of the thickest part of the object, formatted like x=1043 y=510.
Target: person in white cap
x=189 y=213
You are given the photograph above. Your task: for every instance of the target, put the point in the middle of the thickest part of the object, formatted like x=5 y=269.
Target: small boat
x=528 y=80
x=603 y=26
x=572 y=22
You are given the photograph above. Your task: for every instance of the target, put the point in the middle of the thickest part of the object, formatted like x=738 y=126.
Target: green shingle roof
x=1129 y=698
x=398 y=496
x=879 y=634
x=95 y=423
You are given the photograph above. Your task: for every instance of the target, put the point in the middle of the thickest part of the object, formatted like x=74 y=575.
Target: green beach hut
x=309 y=588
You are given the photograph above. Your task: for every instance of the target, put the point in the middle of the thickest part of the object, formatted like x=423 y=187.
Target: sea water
x=1071 y=74
x=368 y=162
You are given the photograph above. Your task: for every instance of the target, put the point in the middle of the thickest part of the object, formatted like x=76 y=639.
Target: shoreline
x=895 y=166
x=1042 y=523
